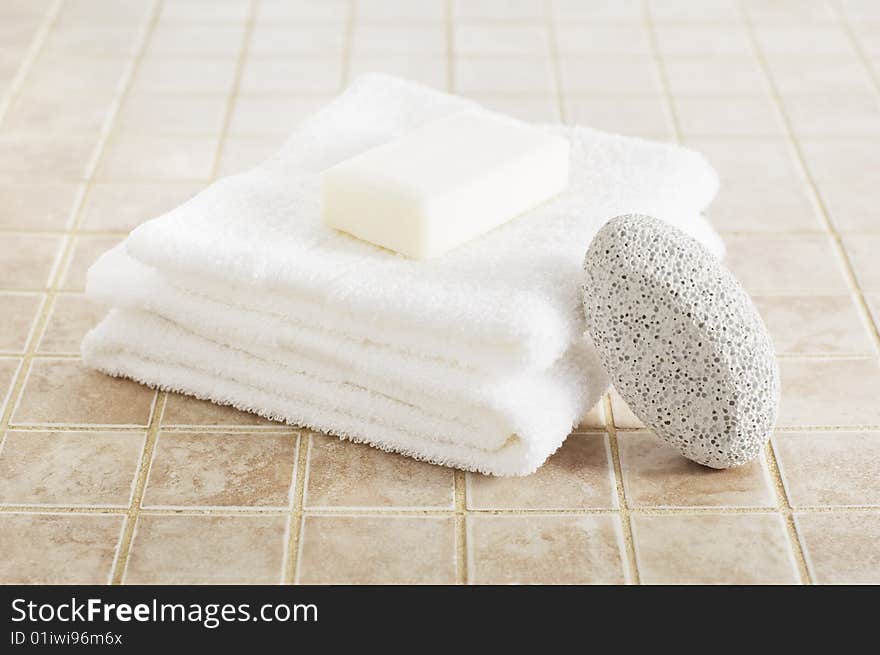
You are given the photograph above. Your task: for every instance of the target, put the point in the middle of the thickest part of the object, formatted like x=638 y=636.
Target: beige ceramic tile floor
x=112 y=111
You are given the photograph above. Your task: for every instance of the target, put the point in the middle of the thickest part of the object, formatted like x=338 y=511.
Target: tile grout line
x=623 y=507
x=296 y=513
x=556 y=64
x=123 y=550
x=459 y=479
x=200 y=510
x=660 y=63
x=234 y=89
x=785 y=511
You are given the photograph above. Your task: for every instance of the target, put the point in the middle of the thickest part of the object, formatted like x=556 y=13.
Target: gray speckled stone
x=681 y=340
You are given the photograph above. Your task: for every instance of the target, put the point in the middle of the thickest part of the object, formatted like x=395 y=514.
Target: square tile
x=243 y=153
x=96 y=39
x=535 y=108
x=602 y=39
x=165 y=74
x=236 y=469
x=400 y=10
x=853 y=205
x=713 y=549
x=292 y=74
x=58 y=548
x=348 y=475
x=86 y=251
x=172 y=114
x=389 y=38
x=656 y=475
x=111 y=11
x=862 y=252
x=19 y=311
x=69 y=468
x=196 y=39
x=272 y=115
x=644 y=116
x=499 y=39
x=841 y=548
x=789 y=11
x=735 y=157
x=8 y=370
x=28 y=157
x=71 y=317
x=234 y=11
x=829 y=469
x=27 y=262
x=501 y=75
x=542 y=549
x=819 y=75
x=622 y=414
x=763 y=204
x=861 y=10
x=800 y=38
x=38 y=206
x=303 y=39
x=273 y=12
x=431 y=69
x=80 y=112
x=834 y=114
x=138 y=157
x=834 y=392
x=60 y=72
x=815 y=325
x=599 y=10
x=498 y=9
x=377 y=550
x=625 y=74
x=728 y=116
x=693 y=10
x=842 y=160
x=122 y=206
x=64 y=391
x=578 y=476
x=181 y=549
x=789 y=263
x=730 y=39
x=186 y=411
x=723 y=76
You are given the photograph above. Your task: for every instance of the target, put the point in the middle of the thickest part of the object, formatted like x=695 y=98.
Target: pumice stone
x=681 y=340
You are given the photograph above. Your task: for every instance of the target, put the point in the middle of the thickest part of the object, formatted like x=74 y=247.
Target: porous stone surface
x=681 y=340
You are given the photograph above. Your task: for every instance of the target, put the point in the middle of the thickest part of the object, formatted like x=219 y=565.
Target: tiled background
x=114 y=110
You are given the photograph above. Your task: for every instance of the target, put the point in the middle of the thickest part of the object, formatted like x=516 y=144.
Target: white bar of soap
x=444 y=183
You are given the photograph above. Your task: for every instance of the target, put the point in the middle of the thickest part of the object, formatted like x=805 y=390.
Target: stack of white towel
x=474 y=359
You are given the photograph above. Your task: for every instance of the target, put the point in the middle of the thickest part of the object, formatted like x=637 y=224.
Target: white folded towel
x=474 y=359
x=507 y=299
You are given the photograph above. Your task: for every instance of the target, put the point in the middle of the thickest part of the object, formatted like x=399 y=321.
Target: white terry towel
x=450 y=360
x=507 y=299
x=497 y=434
